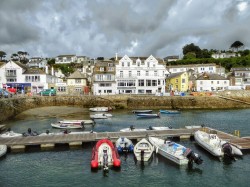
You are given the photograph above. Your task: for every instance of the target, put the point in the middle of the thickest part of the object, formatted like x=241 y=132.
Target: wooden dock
x=78 y=139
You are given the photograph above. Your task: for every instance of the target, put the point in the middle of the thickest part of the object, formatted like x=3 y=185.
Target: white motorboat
x=142 y=111
x=148 y=115
x=10 y=134
x=124 y=144
x=66 y=125
x=101 y=116
x=79 y=121
x=100 y=109
x=3 y=150
x=143 y=150
x=132 y=128
x=214 y=145
x=174 y=152
x=47 y=133
x=159 y=128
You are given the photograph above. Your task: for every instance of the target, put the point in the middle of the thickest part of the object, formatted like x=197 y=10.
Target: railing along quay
x=77 y=139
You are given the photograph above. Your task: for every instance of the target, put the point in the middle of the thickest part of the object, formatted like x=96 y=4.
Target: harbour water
x=66 y=166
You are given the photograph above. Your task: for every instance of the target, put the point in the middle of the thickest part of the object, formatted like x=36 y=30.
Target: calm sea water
x=65 y=166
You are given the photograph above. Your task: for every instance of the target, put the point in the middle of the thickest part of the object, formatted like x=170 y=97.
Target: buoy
x=94 y=164
x=117 y=163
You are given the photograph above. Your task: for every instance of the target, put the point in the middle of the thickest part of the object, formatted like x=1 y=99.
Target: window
x=130 y=74
x=101 y=68
x=11 y=72
x=176 y=80
x=183 y=81
x=155 y=73
x=148 y=82
x=61 y=89
x=148 y=64
x=99 y=77
x=122 y=64
x=218 y=82
x=141 y=82
x=147 y=74
x=212 y=82
x=138 y=64
x=201 y=82
x=110 y=69
x=141 y=91
x=78 y=89
x=225 y=82
x=154 y=82
x=109 y=77
x=128 y=64
x=78 y=81
x=110 y=64
x=121 y=74
x=138 y=73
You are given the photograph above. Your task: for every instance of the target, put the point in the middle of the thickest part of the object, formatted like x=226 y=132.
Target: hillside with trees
x=194 y=55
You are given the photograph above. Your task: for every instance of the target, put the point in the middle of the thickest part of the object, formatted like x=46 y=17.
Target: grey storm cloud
x=136 y=28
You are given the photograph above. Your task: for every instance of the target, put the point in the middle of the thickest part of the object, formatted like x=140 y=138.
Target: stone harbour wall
x=219 y=100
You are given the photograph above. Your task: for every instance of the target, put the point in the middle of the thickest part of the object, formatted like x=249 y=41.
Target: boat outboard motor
x=142 y=155
x=132 y=127
x=193 y=157
x=105 y=160
x=47 y=131
x=227 y=149
x=150 y=128
x=29 y=130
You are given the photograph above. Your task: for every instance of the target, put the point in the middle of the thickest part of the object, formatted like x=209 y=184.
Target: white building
x=37 y=62
x=103 y=82
x=198 y=68
x=211 y=82
x=140 y=75
x=224 y=55
x=65 y=59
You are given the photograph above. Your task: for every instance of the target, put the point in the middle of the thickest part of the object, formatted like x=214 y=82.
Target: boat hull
x=3 y=150
x=168 y=152
x=104 y=154
x=213 y=148
x=142 y=111
x=148 y=115
x=66 y=126
x=143 y=150
x=124 y=144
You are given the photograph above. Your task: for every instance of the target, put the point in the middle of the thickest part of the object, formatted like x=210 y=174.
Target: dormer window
x=122 y=64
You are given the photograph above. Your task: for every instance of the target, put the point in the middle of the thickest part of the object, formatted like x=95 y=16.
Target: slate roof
x=172 y=75
x=34 y=71
x=211 y=76
x=77 y=75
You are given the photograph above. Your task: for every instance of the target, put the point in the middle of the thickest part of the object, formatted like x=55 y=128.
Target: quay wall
x=220 y=100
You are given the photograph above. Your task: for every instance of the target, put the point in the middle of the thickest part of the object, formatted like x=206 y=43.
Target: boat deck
x=78 y=139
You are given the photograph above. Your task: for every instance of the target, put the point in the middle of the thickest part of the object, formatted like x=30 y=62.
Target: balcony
x=10 y=74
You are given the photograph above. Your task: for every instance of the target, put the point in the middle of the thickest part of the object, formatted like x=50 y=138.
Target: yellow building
x=177 y=82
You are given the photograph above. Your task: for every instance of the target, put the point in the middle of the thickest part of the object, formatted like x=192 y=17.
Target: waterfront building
x=11 y=75
x=177 y=82
x=76 y=84
x=140 y=75
x=104 y=82
x=65 y=59
x=172 y=58
x=198 y=68
x=240 y=77
x=211 y=82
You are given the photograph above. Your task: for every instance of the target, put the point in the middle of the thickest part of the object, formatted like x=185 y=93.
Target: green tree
x=14 y=57
x=236 y=45
x=2 y=55
x=51 y=61
x=191 y=48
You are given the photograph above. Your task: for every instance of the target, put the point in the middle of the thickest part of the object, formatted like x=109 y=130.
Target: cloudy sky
x=96 y=28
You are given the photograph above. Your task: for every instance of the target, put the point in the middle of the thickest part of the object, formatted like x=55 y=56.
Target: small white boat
x=124 y=144
x=66 y=125
x=3 y=150
x=143 y=150
x=79 y=121
x=10 y=134
x=132 y=128
x=148 y=115
x=159 y=128
x=174 y=152
x=142 y=111
x=214 y=145
x=100 y=109
x=101 y=116
x=47 y=133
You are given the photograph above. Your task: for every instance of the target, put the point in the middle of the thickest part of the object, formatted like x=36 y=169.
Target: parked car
x=5 y=93
x=48 y=92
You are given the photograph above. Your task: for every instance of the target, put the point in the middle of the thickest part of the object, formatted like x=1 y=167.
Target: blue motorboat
x=124 y=144
x=170 y=112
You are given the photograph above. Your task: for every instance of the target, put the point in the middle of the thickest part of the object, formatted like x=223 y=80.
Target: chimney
x=116 y=56
x=52 y=70
x=46 y=70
